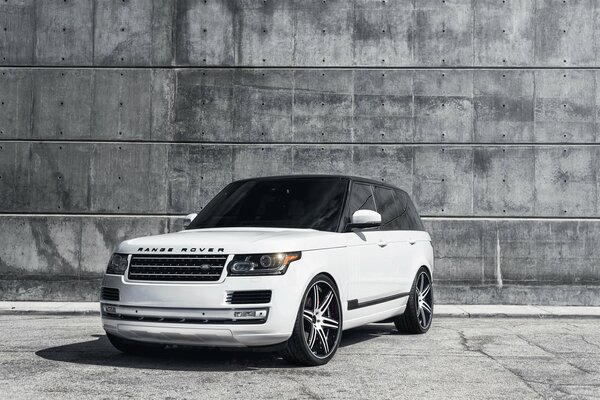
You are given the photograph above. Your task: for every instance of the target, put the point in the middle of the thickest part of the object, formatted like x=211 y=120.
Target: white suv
x=287 y=262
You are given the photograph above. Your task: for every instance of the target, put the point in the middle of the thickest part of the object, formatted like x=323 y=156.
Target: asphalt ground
x=61 y=356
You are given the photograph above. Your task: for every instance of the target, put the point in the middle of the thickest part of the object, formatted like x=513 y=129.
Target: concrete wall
x=116 y=116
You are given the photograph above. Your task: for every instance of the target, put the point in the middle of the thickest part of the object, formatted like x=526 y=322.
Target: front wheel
x=318 y=328
x=419 y=309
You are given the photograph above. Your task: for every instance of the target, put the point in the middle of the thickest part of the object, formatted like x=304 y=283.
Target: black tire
x=133 y=347
x=315 y=326
x=416 y=318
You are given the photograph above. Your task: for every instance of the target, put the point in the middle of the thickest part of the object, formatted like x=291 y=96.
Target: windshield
x=309 y=203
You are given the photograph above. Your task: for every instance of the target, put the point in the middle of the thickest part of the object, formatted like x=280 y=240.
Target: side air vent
x=249 y=297
x=111 y=294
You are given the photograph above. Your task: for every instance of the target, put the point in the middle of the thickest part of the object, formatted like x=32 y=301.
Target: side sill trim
x=354 y=304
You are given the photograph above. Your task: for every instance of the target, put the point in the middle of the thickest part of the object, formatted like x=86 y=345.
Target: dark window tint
x=310 y=203
x=410 y=219
x=414 y=220
x=388 y=208
x=361 y=198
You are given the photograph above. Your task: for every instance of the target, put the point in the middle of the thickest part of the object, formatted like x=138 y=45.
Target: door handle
x=381 y=243
x=412 y=241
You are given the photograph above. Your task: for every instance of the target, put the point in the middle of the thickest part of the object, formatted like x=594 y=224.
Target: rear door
x=397 y=249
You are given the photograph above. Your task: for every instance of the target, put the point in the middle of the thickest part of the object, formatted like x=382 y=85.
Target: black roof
x=349 y=177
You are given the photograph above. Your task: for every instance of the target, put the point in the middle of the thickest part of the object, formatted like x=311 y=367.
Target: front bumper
x=186 y=313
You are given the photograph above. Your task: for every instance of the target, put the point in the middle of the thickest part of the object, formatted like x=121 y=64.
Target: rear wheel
x=318 y=329
x=419 y=309
x=132 y=346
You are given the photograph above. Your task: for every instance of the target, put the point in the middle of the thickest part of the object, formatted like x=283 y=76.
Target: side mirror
x=188 y=219
x=365 y=219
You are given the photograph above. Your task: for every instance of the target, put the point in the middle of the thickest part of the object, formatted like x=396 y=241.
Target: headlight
x=117 y=264
x=261 y=264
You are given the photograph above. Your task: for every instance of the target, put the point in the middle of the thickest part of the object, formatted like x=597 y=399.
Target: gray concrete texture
x=457 y=359
x=116 y=116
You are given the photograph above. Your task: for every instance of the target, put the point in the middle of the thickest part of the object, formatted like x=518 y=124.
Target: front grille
x=191 y=268
x=249 y=297
x=111 y=294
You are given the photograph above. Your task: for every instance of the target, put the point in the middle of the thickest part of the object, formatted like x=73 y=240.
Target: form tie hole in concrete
x=60 y=147
x=503 y=211
x=322 y=133
x=62 y=59
x=323 y=30
x=443 y=31
x=443 y=150
x=442 y=210
x=123 y=29
x=382 y=60
x=322 y=148
x=383 y=30
x=323 y=74
x=202 y=133
x=564 y=105
x=122 y=59
x=4 y=29
x=382 y=75
x=504 y=75
x=503 y=30
x=382 y=150
x=504 y=180
x=62 y=103
x=443 y=75
x=120 y=147
x=323 y=60
x=503 y=105
x=264 y=60
x=119 y=177
x=204 y=30
x=564 y=61
x=503 y=60
x=121 y=74
x=262 y=134
x=565 y=75
x=443 y=60
x=64 y=29
x=120 y=133
x=204 y=60
x=62 y=74
x=443 y=180
x=121 y=104
x=60 y=133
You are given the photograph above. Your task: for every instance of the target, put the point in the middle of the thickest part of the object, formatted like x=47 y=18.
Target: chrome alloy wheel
x=321 y=317
x=424 y=300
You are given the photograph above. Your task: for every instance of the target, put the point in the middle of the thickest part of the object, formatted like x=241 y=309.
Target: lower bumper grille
x=249 y=297
x=111 y=294
x=190 y=268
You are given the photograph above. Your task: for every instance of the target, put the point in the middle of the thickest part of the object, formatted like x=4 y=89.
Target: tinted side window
x=410 y=219
x=412 y=215
x=388 y=208
x=361 y=198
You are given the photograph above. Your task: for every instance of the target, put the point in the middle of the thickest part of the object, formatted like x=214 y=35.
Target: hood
x=233 y=241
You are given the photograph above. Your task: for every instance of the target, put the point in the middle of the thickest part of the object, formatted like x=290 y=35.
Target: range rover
x=285 y=262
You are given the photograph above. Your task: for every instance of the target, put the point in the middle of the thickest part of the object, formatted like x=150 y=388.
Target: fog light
x=108 y=309
x=259 y=314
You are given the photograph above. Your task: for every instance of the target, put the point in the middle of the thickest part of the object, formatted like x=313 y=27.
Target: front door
x=370 y=254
